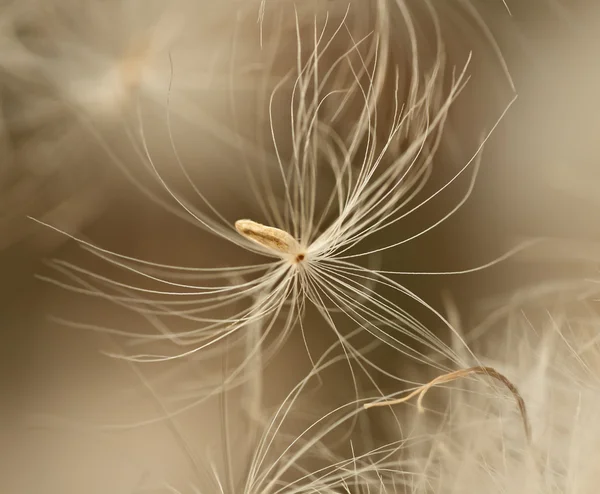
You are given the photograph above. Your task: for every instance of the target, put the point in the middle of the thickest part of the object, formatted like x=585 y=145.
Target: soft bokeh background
x=538 y=178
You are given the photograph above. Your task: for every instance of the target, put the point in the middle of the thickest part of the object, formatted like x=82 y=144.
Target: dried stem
x=453 y=376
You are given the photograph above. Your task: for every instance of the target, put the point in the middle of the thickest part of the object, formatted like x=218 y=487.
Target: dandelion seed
x=322 y=202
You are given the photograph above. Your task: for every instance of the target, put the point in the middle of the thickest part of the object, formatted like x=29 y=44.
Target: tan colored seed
x=269 y=237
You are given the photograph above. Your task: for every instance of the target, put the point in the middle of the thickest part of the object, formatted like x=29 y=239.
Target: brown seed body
x=272 y=238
